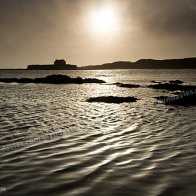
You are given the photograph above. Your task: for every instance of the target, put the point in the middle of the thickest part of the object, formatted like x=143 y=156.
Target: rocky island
x=58 y=65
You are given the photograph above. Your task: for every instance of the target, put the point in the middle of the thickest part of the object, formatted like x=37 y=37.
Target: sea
x=54 y=143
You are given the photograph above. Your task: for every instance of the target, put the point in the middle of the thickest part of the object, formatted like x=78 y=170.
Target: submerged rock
x=156 y=82
x=111 y=99
x=93 y=80
x=172 y=87
x=52 y=79
x=176 y=82
x=127 y=85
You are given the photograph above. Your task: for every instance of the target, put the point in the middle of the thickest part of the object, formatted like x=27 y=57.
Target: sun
x=104 y=20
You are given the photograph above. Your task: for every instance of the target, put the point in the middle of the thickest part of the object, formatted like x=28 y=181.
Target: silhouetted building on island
x=58 y=65
x=60 y=62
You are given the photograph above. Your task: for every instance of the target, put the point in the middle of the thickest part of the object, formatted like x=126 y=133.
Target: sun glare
x=104 y=20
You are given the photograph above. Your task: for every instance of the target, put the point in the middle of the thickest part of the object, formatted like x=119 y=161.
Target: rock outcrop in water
x=176 y=82
x=111 y=99
x=127 y=85
x=52 y=79
x=172 y=86
x=183 y=99
x=186 y=94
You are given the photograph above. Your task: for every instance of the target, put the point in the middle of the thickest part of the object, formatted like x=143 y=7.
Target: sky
x=92 y=32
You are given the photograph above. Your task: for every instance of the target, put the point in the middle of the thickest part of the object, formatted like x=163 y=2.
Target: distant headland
x=186 y=63
x=58 y=65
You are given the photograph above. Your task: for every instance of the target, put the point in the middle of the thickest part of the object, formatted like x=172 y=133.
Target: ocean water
x=53 y=142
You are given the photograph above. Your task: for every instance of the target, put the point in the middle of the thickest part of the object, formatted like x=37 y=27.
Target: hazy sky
x=86 y=32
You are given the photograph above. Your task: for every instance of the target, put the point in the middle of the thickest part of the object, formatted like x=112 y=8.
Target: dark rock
x=153 y=81
x=52 y=79
x=25 y=80
x=172 y=87
x=177 y=92
x=93 y=80
x=127 y=85
x=112 y=99
x=8 y=80
x=161 y=98
x=16 y=80
x=171 y=109
x=176 y=82
x=184 y=99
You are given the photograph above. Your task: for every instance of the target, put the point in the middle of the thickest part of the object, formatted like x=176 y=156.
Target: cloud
x=172 y=17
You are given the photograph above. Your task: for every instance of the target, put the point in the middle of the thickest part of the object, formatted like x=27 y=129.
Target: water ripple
x=106 y=149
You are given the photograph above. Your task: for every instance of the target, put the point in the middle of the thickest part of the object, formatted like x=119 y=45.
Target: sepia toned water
x=53 y=142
